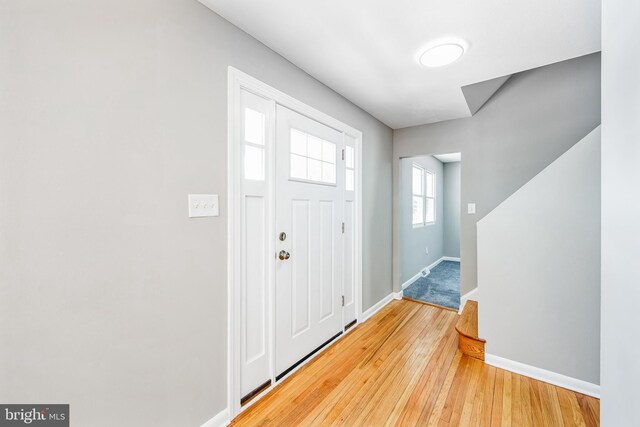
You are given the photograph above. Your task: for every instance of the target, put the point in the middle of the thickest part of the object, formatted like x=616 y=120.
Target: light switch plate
x=201 y=205
x=471 y=208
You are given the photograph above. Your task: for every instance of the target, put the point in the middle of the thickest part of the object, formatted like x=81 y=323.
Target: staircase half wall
x=539 y=271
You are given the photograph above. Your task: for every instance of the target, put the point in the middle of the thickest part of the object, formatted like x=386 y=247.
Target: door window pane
x=314 y=147
x=328 y=152
x=298 y=167
x=349 y=164
x=312 y=158
x=314 y=170
x=298 y=142
x=349 y=157
x=254 y=126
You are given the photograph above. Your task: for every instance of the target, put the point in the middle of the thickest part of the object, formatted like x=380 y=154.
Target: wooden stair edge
x=470 y=336
x=467 y=325
x=482 y=340
x=469 y=342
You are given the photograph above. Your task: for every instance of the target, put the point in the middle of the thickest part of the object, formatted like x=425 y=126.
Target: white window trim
x=424 y=196
x=421 y=169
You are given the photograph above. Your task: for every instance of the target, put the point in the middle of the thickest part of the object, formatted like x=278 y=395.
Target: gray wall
x=620 y=213
x=451 y=234
x=535 y=117
x=416 y=239
x=111 y=299
x=539 y=268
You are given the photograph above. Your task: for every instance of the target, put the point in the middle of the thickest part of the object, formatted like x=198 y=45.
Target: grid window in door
x=312 y=159
x=423 y=189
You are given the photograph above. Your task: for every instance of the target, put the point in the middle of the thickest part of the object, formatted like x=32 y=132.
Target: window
x=254 y=131
x=423 y=189
x=312 y=159
x=350 y=165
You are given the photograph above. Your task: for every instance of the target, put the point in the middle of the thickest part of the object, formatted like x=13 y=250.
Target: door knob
x=284 y=255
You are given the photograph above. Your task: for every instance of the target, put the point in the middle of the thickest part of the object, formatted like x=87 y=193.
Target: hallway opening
x=430 y=229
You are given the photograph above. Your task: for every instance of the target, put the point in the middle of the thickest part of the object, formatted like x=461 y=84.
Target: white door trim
x=237 y=81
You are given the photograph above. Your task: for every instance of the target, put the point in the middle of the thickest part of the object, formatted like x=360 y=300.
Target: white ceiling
x=449 y=158
x=366 y=49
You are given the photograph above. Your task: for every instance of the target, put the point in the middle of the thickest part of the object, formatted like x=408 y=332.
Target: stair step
x=467 y=327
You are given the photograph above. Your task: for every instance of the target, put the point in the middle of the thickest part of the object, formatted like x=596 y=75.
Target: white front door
x=310 y=177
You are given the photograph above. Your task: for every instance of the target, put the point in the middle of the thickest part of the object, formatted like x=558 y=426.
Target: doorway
x=430 y=229
x=294 y=235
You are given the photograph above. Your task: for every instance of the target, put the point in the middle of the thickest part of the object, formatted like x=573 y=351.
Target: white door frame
x=237 y=81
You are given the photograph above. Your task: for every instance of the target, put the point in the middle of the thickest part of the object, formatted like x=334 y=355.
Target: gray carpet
x=441 y=286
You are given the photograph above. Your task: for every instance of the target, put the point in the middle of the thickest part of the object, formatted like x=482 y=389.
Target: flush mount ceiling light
x=442 y=54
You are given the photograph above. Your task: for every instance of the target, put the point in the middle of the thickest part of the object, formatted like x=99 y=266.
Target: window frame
x=251 y=144
x=347 y=168
x=424 y=195
x=307 y=157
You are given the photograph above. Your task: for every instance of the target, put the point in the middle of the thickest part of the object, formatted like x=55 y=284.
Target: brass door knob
x=284 y=255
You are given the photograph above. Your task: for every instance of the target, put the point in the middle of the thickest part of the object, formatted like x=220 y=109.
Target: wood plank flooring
x=402 y=368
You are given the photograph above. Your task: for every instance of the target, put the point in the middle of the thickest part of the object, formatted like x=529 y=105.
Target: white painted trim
x=418 y=275
x=422 y=273
x=544 y=375
x=237 y=81
x=398 y=295
x=471 y=295
x=433 y=264
x=220 y=420
x=233 y=258
x=378 y=306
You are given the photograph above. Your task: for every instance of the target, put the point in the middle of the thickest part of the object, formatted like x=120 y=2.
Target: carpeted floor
x=441 y=286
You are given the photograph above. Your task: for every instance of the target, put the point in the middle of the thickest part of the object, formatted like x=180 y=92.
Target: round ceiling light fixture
x=442 y=54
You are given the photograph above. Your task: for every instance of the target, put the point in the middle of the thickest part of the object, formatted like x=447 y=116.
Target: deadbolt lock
x=283 y=236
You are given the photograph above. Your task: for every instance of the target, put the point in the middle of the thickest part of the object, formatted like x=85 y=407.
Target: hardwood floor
x=402 y=368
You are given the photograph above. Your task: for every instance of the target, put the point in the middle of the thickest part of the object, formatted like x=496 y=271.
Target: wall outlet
x=471 y=208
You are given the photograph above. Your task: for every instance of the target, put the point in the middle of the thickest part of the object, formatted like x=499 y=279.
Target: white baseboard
x=378 y=306
x=428 y=268
x=220 y=420
x=418 y=275
x=471 y=295
x=438 y=261
x=544 y=375
x=398 y=295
